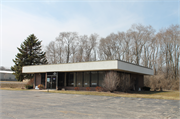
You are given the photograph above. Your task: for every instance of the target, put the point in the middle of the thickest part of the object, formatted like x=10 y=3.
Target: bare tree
x=51 y=52
x=90 y=45
x=68 y=39
x=140 y=35
x=83 y=40
x=60 y=51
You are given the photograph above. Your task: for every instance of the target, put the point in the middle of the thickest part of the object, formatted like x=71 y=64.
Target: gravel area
x=38 y=104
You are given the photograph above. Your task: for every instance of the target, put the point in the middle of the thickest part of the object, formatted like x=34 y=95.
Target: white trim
x=89 y=66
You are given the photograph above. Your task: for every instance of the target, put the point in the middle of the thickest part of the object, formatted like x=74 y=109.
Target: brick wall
x=38 y=79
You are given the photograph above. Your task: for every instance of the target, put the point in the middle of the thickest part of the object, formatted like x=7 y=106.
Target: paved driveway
x=35 y=104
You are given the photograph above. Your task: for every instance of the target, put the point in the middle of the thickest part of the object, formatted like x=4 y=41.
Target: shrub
x=30 y=82
x=40 y=86
x=29 y=86
x=88 y=88
x=161 y=82
x=125 y=82
x=99 y=89
x=111 y=81
x=76 y=88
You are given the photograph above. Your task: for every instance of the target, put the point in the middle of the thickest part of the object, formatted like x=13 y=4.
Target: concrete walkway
x=38 y=104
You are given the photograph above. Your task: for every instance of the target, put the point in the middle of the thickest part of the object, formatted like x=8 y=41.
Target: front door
x=51 y=82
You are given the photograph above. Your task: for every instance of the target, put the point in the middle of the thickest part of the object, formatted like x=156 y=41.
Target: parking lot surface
x=37 y=104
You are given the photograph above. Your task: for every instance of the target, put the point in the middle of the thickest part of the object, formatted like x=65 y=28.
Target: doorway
x=51 y=82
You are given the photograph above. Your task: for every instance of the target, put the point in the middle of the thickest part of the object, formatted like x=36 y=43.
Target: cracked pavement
x=38 y=104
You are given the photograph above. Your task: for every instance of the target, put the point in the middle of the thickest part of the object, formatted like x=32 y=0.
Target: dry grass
x=169 y=95
x=12 y=84
x=15 y=89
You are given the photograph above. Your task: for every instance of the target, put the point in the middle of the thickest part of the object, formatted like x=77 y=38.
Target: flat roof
x=9 y=72
x=117 y=65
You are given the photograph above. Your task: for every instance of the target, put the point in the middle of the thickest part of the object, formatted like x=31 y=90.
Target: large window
x=79 y=79
x=101 y=78
x=70 y=79
x=43 y=78
x=94 y=78
x=86 y=79
x=75 y=82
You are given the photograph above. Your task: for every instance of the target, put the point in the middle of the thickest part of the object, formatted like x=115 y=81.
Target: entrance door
x=51 y=82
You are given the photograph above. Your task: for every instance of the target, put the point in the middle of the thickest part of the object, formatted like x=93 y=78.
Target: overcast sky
x=47 y=18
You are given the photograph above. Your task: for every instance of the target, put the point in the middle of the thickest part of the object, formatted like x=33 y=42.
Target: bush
x=145 y=88
x=161 y=82
x=111 y=81
x=30 y=82
x=125 y=82
x=117 y=81
x=88 y=88
x=76 y=88
x=40 y=86
x=29 y=86
x=99 y=89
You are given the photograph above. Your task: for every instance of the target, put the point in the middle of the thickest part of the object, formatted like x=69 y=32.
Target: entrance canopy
x=115 y=65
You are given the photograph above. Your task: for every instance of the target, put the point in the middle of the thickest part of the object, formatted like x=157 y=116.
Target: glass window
x=43 y=78
x=101 y=77
x=94 y=78
x=86 y=79
x=70 y=79
x=79 y=79
x=75 y=79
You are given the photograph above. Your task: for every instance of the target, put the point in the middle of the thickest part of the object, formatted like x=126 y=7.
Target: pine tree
x=30 y=53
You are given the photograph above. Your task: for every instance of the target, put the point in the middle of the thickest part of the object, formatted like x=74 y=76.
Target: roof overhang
x=89 y=66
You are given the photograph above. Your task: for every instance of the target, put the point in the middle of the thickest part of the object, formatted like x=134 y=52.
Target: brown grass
x=170 y=95
x=12 y=84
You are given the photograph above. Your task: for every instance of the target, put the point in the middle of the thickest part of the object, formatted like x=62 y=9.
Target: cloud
x=17 y=25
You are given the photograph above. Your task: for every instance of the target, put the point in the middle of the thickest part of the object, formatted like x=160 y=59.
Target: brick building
x=84 y=74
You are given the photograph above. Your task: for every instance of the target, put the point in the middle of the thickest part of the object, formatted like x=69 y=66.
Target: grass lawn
x=169 y=95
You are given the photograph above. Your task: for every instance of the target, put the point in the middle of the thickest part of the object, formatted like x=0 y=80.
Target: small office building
x=84 y=74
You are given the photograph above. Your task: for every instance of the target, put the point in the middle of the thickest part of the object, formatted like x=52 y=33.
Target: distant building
x=84 y=74
x=7 y=76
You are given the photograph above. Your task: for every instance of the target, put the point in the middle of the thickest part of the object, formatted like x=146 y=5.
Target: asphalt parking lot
x=36 y=104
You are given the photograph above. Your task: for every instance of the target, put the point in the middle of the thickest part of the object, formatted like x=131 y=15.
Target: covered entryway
x=51 y=80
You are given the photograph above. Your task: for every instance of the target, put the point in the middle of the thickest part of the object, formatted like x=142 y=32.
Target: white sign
x=48 y=79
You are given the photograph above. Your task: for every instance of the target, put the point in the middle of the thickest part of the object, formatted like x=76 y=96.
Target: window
x=75 y=83
x=70 y=79
x=94 y=78
x=86 y=79
x=101 y=77
x=43 y=78
x=79 y=79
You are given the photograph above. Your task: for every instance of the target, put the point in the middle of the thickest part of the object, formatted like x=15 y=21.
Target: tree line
x=140 y=45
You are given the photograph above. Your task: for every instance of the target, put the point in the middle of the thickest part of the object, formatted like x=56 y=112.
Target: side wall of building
x=37 y=79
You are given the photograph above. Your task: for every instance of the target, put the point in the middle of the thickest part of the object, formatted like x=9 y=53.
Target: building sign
x=48 y=79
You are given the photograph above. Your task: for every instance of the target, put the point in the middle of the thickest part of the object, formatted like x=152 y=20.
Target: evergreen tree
x=30 y=53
